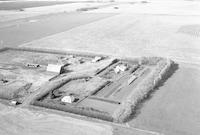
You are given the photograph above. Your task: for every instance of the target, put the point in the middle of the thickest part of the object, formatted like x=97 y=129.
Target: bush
x=149 y=60
x=87 y=8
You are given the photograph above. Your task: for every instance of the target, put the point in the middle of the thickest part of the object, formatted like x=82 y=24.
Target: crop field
x=173 y=99
x=27 y=4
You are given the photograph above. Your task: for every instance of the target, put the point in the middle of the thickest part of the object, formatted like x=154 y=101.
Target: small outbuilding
x=68 y=99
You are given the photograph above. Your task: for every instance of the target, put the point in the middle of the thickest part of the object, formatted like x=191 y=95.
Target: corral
x=88 y=84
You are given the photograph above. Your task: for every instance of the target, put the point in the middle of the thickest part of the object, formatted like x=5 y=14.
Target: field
x=147 y=33
x=28 y=4
x=26 y=121
x=173 y=99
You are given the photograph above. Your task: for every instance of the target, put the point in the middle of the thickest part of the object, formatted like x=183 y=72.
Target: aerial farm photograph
x=99 y=67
